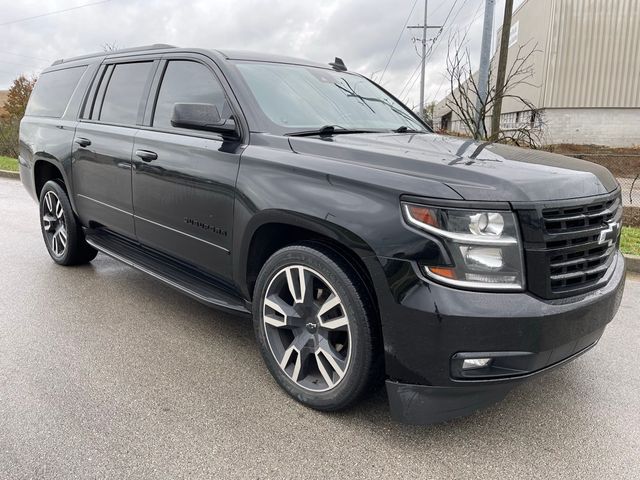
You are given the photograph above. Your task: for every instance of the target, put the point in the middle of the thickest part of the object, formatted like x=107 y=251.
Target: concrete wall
x=613 y=127
x=456 y=126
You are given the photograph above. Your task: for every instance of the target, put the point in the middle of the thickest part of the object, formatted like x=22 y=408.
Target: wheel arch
x=272 y=230
x=45 y=170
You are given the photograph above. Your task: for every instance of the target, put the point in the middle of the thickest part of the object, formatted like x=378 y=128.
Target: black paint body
x=206 y=199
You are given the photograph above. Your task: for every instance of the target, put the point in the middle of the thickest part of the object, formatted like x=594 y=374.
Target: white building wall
x=592 y=54
x=458 y=127
x=587 y=75
x=613 y=127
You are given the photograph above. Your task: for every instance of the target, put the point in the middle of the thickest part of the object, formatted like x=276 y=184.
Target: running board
x=194 y=283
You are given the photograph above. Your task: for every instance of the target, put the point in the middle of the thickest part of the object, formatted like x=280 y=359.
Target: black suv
x=366 y=247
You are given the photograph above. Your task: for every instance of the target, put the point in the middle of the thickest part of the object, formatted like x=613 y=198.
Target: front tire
x=61 y=231
x=316 y=327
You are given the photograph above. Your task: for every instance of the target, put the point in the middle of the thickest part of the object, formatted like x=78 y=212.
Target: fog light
x=470 y=363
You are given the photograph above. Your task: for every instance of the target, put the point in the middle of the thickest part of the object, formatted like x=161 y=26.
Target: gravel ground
x=107 y=373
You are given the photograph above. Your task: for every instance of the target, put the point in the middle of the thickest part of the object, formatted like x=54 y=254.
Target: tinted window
x=298 y=97
x=187 y=82
x=95 y=107
x=53 y=91
x=124 y=93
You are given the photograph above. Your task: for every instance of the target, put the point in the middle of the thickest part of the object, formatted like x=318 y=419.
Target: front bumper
x=427 y=327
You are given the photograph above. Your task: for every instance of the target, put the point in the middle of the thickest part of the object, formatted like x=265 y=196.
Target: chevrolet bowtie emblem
x=609 y=235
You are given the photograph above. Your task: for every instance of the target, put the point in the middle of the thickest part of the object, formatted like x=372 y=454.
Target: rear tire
x=316 y=327
x=61 y=231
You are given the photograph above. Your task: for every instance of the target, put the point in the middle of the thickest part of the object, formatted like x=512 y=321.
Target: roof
x=267 y=57
x=225 y=54
x=143 y=48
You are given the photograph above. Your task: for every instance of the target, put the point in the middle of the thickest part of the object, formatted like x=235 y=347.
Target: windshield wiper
x=405 y=129
x=328 y=131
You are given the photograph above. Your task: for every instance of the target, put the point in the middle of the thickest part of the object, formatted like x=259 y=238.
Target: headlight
x=484 y=246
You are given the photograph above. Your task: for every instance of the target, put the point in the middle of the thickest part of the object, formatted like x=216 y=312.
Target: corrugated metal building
x=586 y=78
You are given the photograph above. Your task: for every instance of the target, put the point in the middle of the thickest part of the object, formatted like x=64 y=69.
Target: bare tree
x=428 y=113
x=110 y=47
x=465 y=92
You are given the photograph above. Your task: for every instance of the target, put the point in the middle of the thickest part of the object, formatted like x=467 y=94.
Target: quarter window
x=187 y=82
x=124 y=93
x=53 y=91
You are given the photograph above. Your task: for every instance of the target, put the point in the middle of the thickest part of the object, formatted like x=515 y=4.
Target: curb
x=633 y=263
x=9 y=174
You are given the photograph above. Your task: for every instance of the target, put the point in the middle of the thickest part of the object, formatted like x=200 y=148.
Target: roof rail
x=155 y=46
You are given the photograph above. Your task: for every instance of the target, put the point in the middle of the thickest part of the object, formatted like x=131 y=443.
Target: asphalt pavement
x=107 y=373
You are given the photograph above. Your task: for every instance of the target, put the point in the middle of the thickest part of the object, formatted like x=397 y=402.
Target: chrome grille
x=570 y=245
x=582 y=217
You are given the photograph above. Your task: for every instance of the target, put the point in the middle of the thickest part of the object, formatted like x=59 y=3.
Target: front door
x=183 y=180
x=103 y=144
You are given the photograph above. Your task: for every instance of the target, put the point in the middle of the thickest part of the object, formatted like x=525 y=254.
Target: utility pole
x=483 y=73
x=424 y=28
x=502 y=68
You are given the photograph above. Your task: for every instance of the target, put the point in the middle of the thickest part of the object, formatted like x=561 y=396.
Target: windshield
x=299 y=97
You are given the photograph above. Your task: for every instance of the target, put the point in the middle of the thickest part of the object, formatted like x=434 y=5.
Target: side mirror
x=202 y=116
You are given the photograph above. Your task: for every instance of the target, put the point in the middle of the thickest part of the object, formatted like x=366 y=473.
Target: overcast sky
x=362 y=32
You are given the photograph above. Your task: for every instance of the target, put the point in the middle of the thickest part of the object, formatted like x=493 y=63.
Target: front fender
x=354 y=205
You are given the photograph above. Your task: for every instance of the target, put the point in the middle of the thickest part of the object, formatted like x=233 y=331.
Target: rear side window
x=53 y=91
x=187 y=82
x=123 y=96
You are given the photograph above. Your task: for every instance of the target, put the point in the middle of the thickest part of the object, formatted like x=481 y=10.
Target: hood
x=476 y=171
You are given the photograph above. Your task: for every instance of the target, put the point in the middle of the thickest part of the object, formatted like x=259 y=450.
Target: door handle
x=146 y=155
x=83 y=142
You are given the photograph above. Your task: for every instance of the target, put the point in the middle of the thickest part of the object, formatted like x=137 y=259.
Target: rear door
x=103 y=144
x=183 y=180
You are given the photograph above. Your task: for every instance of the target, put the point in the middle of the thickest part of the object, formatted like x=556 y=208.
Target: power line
x=439 y=34
x=473 y=19
x=476 y=15
x=416 y=79
x=423 y=41
x=444 y=79
x=410 y=87
x=56 y=12
x=438 y=8
x=409 y=79
x=398 y=40
x=428 y=54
